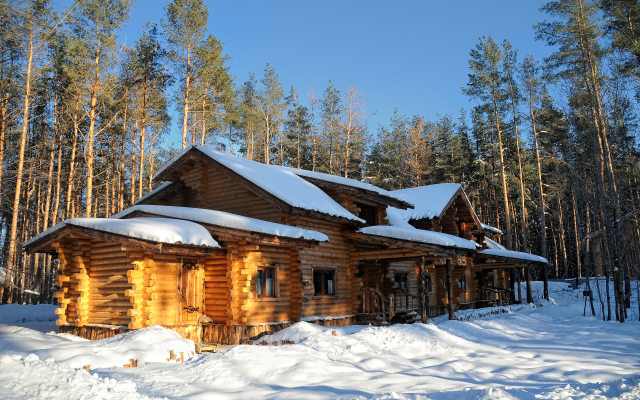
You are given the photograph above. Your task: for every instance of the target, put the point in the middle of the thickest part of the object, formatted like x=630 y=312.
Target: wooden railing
x=404 y=297
x=490 y=292
x=375 y=303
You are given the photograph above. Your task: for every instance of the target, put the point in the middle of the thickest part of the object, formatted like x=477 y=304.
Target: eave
x=231 y=234
x=45 y=244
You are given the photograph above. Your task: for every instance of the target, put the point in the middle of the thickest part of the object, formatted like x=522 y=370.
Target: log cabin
x=227 y=249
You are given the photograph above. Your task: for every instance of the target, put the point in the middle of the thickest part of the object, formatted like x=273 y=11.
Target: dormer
x=441 y=208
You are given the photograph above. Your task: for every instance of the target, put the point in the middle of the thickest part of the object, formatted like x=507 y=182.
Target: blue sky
x=410 y=55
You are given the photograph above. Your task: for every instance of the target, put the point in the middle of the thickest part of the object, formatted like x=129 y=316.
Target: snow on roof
x=428 y=201
x=154 y=191
x=342 y=181
x=513 y=254
x=279 y=182
x=161 y=230
x=419 y=235
x=493 y=244
x=490 y=228
x=227 y=220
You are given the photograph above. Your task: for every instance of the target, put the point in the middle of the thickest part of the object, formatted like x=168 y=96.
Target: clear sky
x=410 y=55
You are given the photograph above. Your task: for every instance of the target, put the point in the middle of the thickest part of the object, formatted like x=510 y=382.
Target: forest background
x=548 y=151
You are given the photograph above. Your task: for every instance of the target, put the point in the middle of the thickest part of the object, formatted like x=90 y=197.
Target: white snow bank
x=150 y=344
x=154 y=191
x=514 y=254
x=428 y=201
x=283 y=184
x=227 y=220
x=161 y=230
x=30 y=378
x=419 y=235
x=490 y=228
x=303 y=330
x=342 y=181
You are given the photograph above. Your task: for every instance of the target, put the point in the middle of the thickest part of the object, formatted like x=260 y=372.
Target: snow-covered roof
x=227 y=220
x=491 y=244
x=279 y=182
x=490 y=228
x=419 y=235
x=154 y=191
x=160 y=230
x=513 y=254
x=428 y=201
x=343 y=181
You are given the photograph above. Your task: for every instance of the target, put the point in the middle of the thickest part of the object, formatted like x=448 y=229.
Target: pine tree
x=185 y=28
x=487 y=86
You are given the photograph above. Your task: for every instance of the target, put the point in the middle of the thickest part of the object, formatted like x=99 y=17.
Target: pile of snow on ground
x=150 y=344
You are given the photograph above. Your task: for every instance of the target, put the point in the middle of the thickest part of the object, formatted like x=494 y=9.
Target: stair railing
x=408 y=298
x=374 y=302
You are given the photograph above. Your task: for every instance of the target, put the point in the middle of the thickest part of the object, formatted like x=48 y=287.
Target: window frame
x=323 y=270
x=463 y=282
x=395 y=280
x=264 y=296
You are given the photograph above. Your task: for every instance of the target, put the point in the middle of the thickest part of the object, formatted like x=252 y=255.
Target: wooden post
x=422 y=293
x=512 y=284
x=545 y=291
x=519 y=281
x=528 y=277
x=450 y=288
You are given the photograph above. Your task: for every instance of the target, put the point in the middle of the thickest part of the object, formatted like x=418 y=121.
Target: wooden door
x=191 y=292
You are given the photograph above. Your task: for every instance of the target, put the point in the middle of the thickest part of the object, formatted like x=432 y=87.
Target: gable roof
x=353 y=186
x=226 y=220
x=419 y=235
x=431 y=201
x=284 y=188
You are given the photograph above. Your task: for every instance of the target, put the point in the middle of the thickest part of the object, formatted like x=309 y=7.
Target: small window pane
x=260 y=282
x=317 y=283
x=328 y=282
x=270 y=282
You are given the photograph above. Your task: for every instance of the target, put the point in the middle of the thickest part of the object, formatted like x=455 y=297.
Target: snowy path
x=551 y=352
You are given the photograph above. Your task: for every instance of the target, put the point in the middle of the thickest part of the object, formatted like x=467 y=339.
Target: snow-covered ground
x=545 y=351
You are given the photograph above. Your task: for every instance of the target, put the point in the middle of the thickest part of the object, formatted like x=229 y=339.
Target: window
x=324 y=282
x=427 y=283
x=402 y=281
x=266 y=282
x=463 y=282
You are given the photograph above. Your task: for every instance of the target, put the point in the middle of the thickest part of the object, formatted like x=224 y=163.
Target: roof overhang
x=414 y=249
x=234 y=234
x=45 y=243
x=493 y=261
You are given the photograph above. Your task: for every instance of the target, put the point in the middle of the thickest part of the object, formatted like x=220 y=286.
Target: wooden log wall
x=216 y=191
x=164 y=299
x=72 y=282
x=260 y=310
x=102 y=283
x=332 y=254
x=217 y=289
